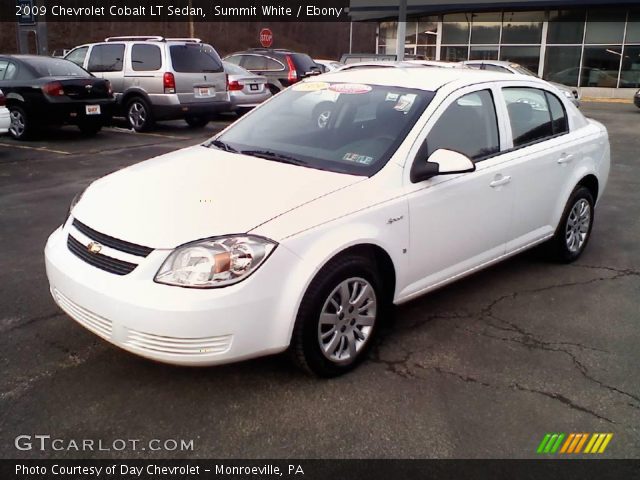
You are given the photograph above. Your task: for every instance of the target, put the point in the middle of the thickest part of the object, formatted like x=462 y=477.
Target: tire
x=139 y=115
x=89 y=129
x=20 y=127
x=273 y=89
x=334 y=347
x=196 y=122
x=574 y=230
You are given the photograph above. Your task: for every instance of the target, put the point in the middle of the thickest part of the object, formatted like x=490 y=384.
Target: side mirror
x=441 y=162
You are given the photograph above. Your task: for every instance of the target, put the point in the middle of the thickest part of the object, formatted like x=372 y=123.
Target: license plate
x=92 y=109
x=253 y=86
x=205 y=92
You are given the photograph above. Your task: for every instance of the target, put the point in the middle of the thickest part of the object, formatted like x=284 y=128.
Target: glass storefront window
x=388 y=36
x=522 y=27
x=528 y=57
x=485 y=28
x=455 y=28
x=427 y=31
x=630 y=76
x=454 y=54
x=600 y=66
x=562 y=65
x=605 y=27
x=633 y=28
x=411 y=33
x=483 y=53
x=428 y=53
x=566 y=26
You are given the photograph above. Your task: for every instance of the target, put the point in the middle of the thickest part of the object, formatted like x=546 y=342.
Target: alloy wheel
x=18 y=124
x=347 y=320
x=137 y=115
x=578 y=224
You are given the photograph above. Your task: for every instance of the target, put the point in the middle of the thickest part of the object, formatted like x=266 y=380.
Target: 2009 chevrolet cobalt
x=286 y=232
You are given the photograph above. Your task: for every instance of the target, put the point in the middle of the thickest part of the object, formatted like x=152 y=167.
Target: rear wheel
x=273 y=89
x=196 y=122
x=574 y=230
x=338 y=317
x=139 y=114
x=20 y=127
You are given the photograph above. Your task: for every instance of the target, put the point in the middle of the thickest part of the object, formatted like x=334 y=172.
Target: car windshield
x=341 y=127
x=57 y=67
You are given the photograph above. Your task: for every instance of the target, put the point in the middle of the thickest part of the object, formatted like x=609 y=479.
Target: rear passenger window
x=558 y=114
x=254 y=62
x=530 y=115
x=145 y=58
x=468 y=126
x=106 y=58
x=7 y=70
x=274 y=65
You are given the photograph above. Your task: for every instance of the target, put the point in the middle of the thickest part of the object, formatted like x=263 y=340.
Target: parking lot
x=483 y=368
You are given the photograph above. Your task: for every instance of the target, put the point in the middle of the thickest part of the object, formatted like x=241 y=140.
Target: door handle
x=500 y=181
x=565 y=158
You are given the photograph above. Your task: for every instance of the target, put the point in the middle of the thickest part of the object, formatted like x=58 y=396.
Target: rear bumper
x=174 y=112
x=5 y=120
x=76 y=112
x=249 y=101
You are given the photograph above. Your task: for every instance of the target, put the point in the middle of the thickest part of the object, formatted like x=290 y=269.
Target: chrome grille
x=103 y=262
x=178 y=346
x=121 y=245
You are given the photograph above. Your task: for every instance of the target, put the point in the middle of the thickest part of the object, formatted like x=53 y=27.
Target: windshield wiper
x=221 y=145
x=277 y=157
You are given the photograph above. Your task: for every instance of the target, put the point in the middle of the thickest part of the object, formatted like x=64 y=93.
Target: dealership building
x=594 y=45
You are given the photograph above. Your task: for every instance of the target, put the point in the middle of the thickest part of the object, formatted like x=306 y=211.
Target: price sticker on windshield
x=310 y=86
x=350 y=88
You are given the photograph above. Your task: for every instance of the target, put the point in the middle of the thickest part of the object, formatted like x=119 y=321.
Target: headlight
x=216 y=262
x=74 y=202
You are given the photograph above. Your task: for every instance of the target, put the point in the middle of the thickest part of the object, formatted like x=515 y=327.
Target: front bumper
x=180 y=326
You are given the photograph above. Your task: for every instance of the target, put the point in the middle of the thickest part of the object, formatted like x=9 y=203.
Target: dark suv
x=281 y=67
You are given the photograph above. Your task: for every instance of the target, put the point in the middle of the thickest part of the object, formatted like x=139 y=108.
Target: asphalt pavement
x=483 y=368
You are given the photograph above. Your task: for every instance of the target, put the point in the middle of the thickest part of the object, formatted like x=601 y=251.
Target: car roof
x=421 y=78
x=502 y=63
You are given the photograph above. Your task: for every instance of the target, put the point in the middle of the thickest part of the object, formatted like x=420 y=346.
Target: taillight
x=109 y=88
x=234 y=85
x=3 y=99
x=169 y=82
x=293 y=74
x=53 y=89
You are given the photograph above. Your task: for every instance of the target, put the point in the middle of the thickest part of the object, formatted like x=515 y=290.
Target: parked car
x=5 y=119
x=42 y=91
x=348 y=58
x=328 y=65
x=380 y=64
x=281 y=67
x=246 y=90
x=310 y=234
x=436 y=63
x=636 y=99
x=157 y=78
x=571 y=93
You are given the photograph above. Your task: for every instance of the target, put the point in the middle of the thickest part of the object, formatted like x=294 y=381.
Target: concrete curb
x=607 y=100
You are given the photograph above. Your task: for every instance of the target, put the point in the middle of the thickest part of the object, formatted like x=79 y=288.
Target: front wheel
x=574 y=230
x=338 y=317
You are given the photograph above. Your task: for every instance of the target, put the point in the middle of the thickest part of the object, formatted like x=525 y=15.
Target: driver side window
x=468 y=126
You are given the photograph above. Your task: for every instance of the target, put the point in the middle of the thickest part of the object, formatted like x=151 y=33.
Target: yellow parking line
x=40 y=149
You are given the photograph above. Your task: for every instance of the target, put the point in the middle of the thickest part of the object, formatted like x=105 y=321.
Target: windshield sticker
x=405 y=102
x=310 y=86
x=350 y=88
x=357 y=158
x=391 y=97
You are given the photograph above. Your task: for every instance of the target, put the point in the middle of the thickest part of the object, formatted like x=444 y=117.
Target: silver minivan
x=157 y=78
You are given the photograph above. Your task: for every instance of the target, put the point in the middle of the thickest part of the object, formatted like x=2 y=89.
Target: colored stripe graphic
x=573 y=443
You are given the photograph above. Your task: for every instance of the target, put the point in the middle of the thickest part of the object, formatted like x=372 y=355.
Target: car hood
x=197 y=193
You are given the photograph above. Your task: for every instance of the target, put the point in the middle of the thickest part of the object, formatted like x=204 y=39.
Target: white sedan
x=283 y=234
x=5 y=119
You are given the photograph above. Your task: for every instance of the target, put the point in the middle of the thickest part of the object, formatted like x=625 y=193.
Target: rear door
x=198 y=71
x=143 y=70
x=106 y=60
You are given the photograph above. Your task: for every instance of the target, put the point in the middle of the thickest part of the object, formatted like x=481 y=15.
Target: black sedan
x=42 y=91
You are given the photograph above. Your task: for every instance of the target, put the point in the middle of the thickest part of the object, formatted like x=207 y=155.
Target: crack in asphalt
x=16 y=325
x=403 y=367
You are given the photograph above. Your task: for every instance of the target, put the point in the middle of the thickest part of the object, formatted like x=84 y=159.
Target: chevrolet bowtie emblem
x=88 y=87
x=94 y=247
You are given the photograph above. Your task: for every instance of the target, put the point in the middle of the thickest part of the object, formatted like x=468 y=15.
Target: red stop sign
x=266 y=37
